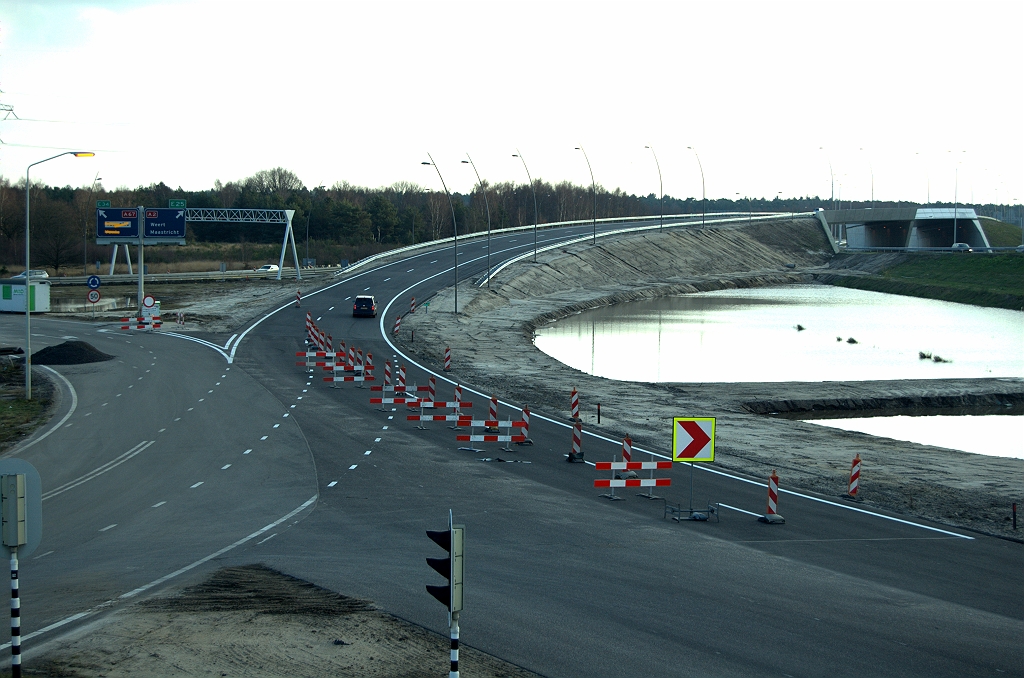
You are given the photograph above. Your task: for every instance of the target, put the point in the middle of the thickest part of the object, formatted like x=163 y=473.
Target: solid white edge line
x=749 y=513
x=167 y=577
x=113 y=463
x=74 y=406
x=398 y=351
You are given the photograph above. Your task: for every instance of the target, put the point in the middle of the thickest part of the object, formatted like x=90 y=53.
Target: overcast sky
x=189 y=92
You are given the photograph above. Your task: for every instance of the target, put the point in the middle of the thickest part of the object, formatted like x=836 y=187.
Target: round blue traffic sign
x=93 y=282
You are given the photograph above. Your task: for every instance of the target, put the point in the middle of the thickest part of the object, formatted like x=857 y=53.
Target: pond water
x=995 y=435
x=753 y=335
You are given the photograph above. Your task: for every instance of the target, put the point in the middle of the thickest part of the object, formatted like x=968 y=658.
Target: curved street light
x=593 y=187
x=28 y=268
x=661 y=188
x=703 y=193
x=519 y=155
x=455 y=229
x=488 y=208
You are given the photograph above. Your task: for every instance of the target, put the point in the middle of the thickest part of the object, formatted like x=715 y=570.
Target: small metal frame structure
x=247 y=216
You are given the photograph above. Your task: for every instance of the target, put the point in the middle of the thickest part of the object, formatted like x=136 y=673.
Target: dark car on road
x=365 y=306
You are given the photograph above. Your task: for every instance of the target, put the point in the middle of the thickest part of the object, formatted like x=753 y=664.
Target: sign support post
x=142 y=260
x=693 y=440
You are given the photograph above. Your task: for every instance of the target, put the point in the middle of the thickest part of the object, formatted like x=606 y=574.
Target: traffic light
x=451 y=540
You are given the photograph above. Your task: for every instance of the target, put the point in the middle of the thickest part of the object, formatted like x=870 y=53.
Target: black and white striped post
x=15 y=617
x=453 y=672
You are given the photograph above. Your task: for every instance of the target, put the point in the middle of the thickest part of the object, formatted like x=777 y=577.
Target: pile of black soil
x=70 y=353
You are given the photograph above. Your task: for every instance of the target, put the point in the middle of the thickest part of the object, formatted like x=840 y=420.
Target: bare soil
x=254 y=621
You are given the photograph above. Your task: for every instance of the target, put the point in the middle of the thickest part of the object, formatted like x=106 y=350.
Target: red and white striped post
x=492 y=412
x=771 y=515
x=431 y=388
x=359 y=358
x=401 y=378
x=330 y=344
x=574 y=402
x=447 y=358
x=525 y=428
x=627 y=449
x=576 y=456
x=854 y=477
x=398 y=324
x=387 y=375
x=298 y=298
x=351 y=356
x=458 y=398
x=412 y=305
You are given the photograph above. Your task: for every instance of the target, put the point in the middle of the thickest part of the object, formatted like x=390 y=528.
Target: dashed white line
x=42 y=555
x=376 y=440
x=210 y=391
x=352 y=466
x=410 y=270
x=69 y=425
x=285 y=414
x=87 y=414
x=298 y=398
x=347 y=298
x=190 y=409
x=385 y=280
x=385 y=428
x=367 y=452
x=247 y=451
x=267 y=539
x=332 y=483
x=305 y=390
x=217 y=384
x=131 y=385
x=158 y=504
x=291 y=407
x=225 y=467
x=391 y=416
x=331 y=308
x=264 y=437
x=161 y=430
x=434 y=261
x=177 y=419
x=108 y=527
x=366 y=289
x=202 y=399
x=196 y=485
x=276 y=425
x=103 y=405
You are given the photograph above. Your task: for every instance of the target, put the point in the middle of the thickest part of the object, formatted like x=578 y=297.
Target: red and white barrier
x=448 y=359
x=142 y=323
x=631 y=465
x=854 y=477
x=412 y=305
x=634 y=482
x=771 y=515
x=398 y=324
x=577 y=444
x=387 y=375
x=397 y=400
x=574 y=403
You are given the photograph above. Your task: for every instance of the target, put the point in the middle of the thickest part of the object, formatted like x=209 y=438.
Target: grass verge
x=993 y=280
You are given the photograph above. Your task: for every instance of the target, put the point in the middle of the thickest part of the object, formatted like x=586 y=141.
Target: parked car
x=35 y=274
x=268 y=268
x=961 y=247
x=364 y=306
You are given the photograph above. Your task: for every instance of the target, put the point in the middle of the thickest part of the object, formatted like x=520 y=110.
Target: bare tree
x=54 y=233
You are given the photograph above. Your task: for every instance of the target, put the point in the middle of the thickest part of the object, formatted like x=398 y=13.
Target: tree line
x=63 y=218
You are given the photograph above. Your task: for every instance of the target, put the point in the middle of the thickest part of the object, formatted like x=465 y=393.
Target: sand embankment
x=492 y=346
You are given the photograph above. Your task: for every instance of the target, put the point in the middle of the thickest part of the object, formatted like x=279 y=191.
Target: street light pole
x=661 y=188
x=536 y=216
x=455 y=229
x=703 y=193
x=85 y=227
x=28 y=268
x=488 y=208
x=593 y=187
x=832 y=197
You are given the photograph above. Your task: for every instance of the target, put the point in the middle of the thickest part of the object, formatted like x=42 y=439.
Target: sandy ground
x=253 y=621
x=492 y=348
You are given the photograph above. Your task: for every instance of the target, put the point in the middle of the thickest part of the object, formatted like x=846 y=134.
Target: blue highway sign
x=165 y=224
x=117 y=224
x=93 y=281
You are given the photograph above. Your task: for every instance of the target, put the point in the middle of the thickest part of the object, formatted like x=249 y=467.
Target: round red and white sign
x=93 y=296
x=148 y=301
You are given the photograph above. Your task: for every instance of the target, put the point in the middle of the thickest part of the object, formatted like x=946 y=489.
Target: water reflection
x=752 y=335
x=995 y=435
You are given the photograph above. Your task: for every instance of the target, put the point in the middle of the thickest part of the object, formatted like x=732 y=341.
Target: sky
x=908 y=100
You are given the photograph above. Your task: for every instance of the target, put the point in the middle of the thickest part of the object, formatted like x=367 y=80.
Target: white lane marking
x=264 y=437
x=332 y=483
x=285 y=414
x=308 y=383
x=108 y=527
x=202 y=399
x=434 y=261
x=223 y=376
x=410 y=270
x=267 y=539
x=210 y=391
x=305 y=390
x=247 y=451
x=376 y=440
x=291 y=407
x=318 y=318
x=217 y=384
x=299 y=398
x=276 y=425
x=177 y=419
x=87 y=414
x=190 y=409
x=69 y=425
x=103 y=405
x=391 y=416
x=131 y=385
x=196 y=485
x=386 y=279
x=139 y=379
x=161 y=430
x=367 y=289
x=225 y=467
x=749 y=513
x=331 y=308
x=347 y=298
x=367 y=452
x=42 y=555
x=158 y=504
x=99 y=470
x=352 y=466
x=385 y=428
x=148 y=371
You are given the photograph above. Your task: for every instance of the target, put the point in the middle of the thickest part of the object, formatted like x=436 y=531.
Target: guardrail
x=947 y=250
x=190 y=276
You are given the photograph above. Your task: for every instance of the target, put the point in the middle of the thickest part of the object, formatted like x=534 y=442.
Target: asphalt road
x=559 y=580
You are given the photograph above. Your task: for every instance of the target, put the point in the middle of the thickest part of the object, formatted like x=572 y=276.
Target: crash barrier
x=854 y=478
x=771 y=515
